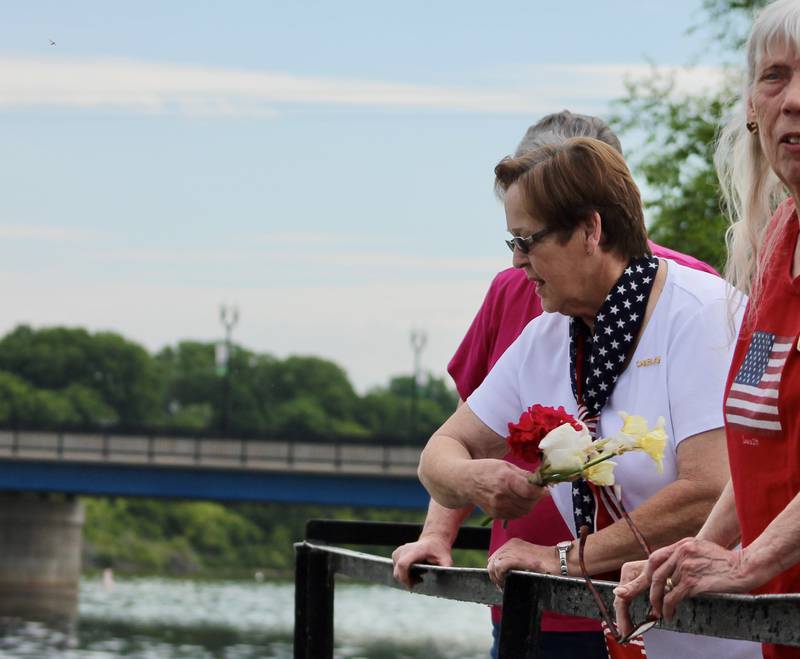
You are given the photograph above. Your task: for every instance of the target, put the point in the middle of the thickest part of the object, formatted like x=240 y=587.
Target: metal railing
x=762 y=618
x=208 y=452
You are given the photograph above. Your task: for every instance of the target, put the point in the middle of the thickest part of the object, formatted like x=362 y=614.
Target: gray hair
x=558 y=127
x=751 y=191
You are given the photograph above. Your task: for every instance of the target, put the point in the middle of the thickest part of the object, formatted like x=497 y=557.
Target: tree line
x=62 y=378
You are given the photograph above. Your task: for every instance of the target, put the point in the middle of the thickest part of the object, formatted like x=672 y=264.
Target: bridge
x=222 y=469
x=40 y=535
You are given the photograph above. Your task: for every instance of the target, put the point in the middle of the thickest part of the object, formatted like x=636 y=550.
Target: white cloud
x=48 y=233
x=608 y=80
x=168 y=88
x=157 y=87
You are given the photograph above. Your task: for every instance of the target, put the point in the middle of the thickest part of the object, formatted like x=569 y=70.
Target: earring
x=752 y=126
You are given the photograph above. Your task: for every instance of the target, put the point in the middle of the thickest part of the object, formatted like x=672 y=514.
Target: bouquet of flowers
x=564 y=450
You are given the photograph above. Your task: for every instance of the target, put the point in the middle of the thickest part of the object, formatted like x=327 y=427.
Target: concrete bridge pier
x=40 y=556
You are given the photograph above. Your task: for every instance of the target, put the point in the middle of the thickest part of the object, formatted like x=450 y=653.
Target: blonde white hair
x=751 y=191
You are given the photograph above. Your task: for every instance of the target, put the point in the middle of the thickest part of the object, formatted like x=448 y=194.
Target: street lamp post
x=418 y=341
x=229 y=317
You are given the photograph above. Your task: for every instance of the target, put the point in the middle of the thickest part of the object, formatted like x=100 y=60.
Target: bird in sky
x=52 y=43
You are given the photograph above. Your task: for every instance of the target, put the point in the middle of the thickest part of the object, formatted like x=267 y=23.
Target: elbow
x=440 y=487
x=424 y=472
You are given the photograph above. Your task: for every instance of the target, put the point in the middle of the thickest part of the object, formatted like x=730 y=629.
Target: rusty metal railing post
x=313 y=604
x=522 y=610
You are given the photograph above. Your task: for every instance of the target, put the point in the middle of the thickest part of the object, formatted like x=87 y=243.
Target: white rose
x=565 y=448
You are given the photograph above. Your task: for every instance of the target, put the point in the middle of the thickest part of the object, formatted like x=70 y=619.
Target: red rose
x=533 y=425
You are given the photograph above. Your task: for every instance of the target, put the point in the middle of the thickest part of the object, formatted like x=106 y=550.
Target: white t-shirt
x=678 y=372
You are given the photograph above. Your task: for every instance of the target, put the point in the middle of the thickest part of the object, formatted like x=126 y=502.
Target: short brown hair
x=563 y=185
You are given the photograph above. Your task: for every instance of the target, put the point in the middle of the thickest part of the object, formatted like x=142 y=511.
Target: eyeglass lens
x=524 y=244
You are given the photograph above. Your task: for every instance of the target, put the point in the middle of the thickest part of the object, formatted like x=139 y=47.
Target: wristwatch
x=561 y=550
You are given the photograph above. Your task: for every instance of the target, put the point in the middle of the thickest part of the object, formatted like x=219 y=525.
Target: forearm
x=722 y=525
x=776 y=549
x=444 y=522
x=442 y=467
x=674 y=512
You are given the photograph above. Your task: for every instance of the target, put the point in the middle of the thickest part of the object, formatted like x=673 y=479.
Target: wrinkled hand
x=693 y=567
x=517 y=554
x=502 y=489
x=432 y=550
x=630 y=585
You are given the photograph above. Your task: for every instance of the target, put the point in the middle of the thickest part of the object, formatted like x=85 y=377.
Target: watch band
x=561 y=549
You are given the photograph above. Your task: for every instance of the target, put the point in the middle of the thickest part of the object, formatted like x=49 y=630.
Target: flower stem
x=544 y=477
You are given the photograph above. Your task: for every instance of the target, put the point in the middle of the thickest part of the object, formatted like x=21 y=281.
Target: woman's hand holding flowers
x=564 y=450
x=501 y=489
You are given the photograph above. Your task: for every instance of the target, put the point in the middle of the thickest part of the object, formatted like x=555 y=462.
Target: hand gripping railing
x=763 y=618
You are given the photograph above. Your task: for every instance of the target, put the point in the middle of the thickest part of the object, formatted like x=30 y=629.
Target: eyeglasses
x=525 y=244
x=651 y=620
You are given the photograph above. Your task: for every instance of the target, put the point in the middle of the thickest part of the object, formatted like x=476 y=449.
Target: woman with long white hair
x=758 y=161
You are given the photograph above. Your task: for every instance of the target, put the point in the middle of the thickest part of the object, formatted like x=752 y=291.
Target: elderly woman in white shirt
x=623 y=331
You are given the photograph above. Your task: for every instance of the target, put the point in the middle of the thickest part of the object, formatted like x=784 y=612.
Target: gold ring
x=668 y=585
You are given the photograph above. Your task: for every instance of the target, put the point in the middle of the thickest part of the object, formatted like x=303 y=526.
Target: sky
x=326 y=167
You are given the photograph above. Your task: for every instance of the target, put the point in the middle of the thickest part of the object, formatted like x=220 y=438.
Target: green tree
x=120 y=372
x=728 y=21
x=676 y=161
x=192 y=389
x=59 y=377
x=302 y=397
x=387 y=411
x=675 y=158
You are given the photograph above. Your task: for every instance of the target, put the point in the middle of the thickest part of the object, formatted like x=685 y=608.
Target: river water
x=155 y=618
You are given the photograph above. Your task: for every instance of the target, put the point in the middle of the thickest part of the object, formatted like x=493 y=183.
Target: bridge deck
x=211 y=468
x=200 y=452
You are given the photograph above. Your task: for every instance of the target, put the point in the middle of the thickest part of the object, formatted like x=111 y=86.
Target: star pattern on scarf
x=605 y=352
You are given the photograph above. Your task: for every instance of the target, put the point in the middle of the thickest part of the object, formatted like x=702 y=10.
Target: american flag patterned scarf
x=597 y=358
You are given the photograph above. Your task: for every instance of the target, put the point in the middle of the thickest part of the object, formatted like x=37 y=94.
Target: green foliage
x=679 y=131
x=676 y=161
x=121 y=374
x=22 y=404
x=61 y=378
x=389 y=410
x=729 y=20
x=89 y=406
x=199 y=538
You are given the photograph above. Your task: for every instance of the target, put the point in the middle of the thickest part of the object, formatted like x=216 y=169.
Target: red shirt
x=762 y=401
x=510 y=304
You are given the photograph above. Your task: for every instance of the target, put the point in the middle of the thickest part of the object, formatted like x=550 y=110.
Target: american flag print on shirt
x=753 y=399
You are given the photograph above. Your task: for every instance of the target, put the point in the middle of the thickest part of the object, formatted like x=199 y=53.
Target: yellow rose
x=633 y=425
x=653 y=444
x=601 y=473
